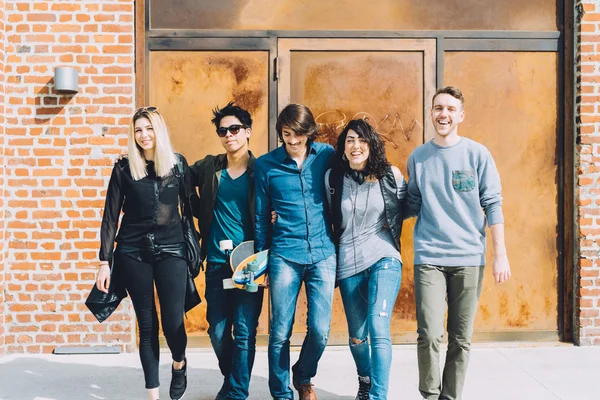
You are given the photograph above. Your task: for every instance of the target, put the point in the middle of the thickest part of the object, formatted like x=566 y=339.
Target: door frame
x=561 y=41
x=285 y=46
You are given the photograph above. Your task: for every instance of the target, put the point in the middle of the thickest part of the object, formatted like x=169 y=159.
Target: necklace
x=362 y=225
x=354 y=206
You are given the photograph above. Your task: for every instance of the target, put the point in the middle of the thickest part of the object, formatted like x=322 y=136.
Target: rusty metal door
x=391 y=82
x=387 y=81
x=186 y=86
x=511 y=107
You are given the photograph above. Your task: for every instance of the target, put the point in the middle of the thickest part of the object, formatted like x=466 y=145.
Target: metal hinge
x=276 y=68
x=579 y=12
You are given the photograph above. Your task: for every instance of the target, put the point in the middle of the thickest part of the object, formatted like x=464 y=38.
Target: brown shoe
x=305 y=391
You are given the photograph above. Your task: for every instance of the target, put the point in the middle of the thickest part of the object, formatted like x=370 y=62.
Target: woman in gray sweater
x=365 y=195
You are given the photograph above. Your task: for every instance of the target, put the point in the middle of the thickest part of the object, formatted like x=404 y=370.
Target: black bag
x=101 y=304
x=192 y=297
x=190 y=234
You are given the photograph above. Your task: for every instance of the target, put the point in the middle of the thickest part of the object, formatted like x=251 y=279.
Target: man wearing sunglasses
x=225 y=211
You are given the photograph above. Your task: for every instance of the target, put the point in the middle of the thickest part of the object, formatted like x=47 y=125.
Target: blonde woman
x=150 y=244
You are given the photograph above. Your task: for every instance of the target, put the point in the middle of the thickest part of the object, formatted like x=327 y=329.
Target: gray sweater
x=449 y=189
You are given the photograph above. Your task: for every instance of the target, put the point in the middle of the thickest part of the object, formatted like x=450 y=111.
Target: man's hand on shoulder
x=397 y=173
x=501 y=268
x=120 y=157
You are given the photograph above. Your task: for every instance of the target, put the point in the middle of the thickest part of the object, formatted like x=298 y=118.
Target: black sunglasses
x=234 y=129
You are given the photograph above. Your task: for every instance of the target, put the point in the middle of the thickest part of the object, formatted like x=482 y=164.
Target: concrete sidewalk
x=497 y=371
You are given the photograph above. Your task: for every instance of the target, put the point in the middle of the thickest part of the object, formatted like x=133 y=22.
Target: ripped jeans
x=369 y=298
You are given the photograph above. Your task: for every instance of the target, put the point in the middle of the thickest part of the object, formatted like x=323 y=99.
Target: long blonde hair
x=164 y=157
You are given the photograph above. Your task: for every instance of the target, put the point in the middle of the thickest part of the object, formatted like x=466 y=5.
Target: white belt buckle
x=226 y=245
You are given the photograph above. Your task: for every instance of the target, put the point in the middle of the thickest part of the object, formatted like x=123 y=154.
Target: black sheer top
x=150 y=205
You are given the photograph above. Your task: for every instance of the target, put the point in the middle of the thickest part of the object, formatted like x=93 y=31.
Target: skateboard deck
x=239 y=259
x=240 y=253
x=241 y=277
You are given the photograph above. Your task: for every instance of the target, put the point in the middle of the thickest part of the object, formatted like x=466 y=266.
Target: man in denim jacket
x=290 y=181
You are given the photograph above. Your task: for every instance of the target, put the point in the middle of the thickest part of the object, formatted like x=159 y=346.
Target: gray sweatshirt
x=449 y=189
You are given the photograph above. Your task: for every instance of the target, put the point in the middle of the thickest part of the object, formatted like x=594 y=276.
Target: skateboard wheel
x=252 y=287
x=252 y=266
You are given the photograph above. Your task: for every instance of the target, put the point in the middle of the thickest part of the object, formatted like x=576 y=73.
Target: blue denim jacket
x=302 y=233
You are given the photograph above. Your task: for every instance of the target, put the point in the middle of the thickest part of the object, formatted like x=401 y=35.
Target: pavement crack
x=528 y=374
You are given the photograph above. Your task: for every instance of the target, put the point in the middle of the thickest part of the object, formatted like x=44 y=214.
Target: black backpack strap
x=178 y=171
x=336 y=183
x=184 y=200
x=178 y=166
x=185 y=205
x=332 y=190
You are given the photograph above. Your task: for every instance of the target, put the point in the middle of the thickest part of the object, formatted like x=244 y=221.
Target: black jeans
x=141 y=271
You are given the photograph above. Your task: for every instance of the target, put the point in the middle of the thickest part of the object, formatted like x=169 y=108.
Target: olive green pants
x=460 y=287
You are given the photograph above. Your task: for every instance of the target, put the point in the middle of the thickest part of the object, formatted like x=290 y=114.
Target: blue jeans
x=227 y=309
x=369 y=299
x=285 y=279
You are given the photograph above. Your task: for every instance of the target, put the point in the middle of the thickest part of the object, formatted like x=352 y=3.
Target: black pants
x=140 y=273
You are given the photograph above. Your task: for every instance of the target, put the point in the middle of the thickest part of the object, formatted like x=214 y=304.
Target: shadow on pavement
x=40 y=379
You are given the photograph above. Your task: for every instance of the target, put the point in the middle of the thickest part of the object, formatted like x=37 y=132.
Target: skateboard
x=249 y=268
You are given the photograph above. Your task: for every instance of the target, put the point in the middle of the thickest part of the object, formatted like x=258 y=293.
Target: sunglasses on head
x=234 y=129
x=146 y=109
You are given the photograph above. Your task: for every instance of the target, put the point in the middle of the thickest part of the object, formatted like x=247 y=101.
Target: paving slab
x=497 y=371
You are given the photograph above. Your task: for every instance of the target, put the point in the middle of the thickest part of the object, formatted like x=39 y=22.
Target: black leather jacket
x=206 y=175
x=389 y=190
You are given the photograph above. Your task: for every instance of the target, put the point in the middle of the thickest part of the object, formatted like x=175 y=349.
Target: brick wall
x=56 y=153
x=58 y=157
x=2 y=286
x=587 y=326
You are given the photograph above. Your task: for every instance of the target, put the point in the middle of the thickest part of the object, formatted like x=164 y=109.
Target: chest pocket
x=463 y=180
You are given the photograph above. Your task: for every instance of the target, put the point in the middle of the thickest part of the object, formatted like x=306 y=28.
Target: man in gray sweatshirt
x=453 y=189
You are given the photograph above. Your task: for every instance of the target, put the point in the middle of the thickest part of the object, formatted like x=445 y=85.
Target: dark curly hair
x=377 y=163
x=232 y=110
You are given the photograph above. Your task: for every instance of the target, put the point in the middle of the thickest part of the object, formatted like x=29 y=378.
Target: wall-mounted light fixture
x=66 y=79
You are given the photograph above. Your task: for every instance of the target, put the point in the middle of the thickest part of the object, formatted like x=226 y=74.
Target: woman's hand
x=103 y=277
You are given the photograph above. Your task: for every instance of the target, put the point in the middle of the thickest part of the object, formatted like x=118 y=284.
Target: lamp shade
x=66 y=79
